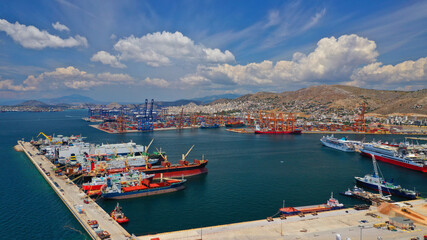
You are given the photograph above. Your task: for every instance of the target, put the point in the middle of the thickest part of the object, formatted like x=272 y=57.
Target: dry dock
x=71 y=195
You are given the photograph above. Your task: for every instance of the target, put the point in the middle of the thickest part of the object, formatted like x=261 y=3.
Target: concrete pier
x=348 y=223
x=72 y=196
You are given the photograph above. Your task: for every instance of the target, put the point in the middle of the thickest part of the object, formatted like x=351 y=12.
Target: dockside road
x=73 y=197
x=348 y=223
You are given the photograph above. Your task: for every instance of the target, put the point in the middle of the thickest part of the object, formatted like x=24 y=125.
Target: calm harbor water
x=249 y=177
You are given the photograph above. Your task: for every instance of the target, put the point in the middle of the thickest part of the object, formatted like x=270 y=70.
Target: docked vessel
x=259 y=130
x=96 y=183
x=234 y=124
x=143 y=188
x=332 y=204
x=206 y=126
x=395 y=155
x=359 y=193
x=371 y=181
x=342 y=144
x=168 y=170
x=118 y=215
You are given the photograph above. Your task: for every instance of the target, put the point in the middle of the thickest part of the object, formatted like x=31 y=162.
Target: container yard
x=147 y=118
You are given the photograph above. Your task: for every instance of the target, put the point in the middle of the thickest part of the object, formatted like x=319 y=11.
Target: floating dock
x=73 y=197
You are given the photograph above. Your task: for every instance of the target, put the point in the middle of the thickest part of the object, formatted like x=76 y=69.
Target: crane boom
x=189 y=151
x=146 y=149
x=165 y=158
x=48 y=138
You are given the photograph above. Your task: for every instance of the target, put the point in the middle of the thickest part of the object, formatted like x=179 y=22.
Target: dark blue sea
x=249 y=177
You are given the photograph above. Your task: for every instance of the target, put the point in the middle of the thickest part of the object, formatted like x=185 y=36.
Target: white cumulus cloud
x=161 y=48
x=157 y=82
x=60 y=27
x=412 y=72
x=334 y=59
x=106 y=58
x=32 y=37
x=69 y=77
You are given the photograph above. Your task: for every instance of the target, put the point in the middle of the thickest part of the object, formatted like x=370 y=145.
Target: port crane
x=47 y=137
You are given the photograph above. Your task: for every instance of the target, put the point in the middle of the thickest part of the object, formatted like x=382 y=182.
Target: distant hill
x=343 y=97
x=71 y=99
x=181 y=102
x=59 y=101
x=212 y=98
x=33 y=103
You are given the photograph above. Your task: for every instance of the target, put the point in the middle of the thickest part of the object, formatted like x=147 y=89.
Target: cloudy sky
x=168 y=50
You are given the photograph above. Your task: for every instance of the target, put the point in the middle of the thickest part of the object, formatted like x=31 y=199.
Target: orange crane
x=359 y=122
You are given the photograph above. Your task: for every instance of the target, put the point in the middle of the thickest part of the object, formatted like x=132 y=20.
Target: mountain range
x=342 y=97
x=332 y=97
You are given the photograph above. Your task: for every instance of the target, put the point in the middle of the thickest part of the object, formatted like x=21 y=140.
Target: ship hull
x=172 y=171
x=385 y=190
x=310 y=209
x=397 y=162
x=344 y=149
x=143 y=193
x=235 y=125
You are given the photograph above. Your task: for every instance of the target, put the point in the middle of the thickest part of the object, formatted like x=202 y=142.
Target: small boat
x=332 y=204
x=118 y=215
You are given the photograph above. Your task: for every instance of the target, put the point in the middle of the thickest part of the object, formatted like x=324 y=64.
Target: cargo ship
x=395 y=155
x=342 y=144
x=96 y=183
x=332 y=204
x=371 y=181
x=206 y=126
x=234 y=124
x=145 y=187
x=168 y=170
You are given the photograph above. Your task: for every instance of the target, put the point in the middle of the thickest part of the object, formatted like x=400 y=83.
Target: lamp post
x=361 y=228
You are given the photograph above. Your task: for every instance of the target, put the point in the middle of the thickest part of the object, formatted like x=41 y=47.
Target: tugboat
x=118 y=215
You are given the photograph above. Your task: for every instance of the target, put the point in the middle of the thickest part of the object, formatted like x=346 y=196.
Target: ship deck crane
x=184 y=156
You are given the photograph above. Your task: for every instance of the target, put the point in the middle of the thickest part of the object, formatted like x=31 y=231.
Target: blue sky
x=168 y=50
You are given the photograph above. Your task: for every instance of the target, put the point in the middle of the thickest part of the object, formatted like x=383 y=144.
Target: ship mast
x=374 y=161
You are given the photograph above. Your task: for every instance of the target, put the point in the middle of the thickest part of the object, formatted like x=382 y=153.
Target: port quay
x=349 y=223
